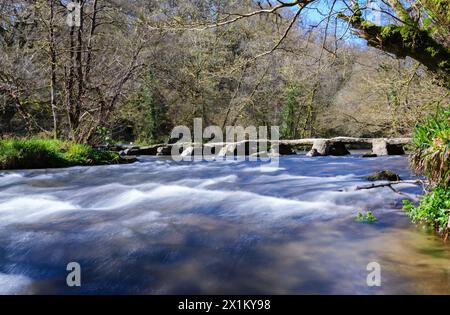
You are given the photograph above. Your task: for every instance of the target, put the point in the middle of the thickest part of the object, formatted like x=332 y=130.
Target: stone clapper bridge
x=320 y=147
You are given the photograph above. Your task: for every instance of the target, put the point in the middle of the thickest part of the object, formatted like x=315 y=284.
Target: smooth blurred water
x=160 y=227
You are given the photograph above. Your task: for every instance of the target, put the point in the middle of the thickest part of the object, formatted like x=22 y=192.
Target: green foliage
x=431 y=143
x=360 y=217
x=406 y=32
x=421 y=39
x=29 y=153
x=104 y=135
x=289 y=120
x=147 y=113
x=48 y=153
x=438 y=18
x=436 y=126
x=431 y=157
x=155 y=113
x=433 y=209
x=369 y=217
x=82 y=154
x=151 y=114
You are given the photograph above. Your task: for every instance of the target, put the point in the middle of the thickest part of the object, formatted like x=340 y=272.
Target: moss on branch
x=404 y=40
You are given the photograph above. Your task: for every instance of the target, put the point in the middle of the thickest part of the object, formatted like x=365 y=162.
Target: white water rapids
x=158 y=227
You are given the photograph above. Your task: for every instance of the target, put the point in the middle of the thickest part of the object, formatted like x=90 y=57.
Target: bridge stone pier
x=336 y=146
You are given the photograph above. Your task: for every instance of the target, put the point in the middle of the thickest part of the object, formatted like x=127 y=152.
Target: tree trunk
x=79 y=66
x=405 y=40
x=53 y=70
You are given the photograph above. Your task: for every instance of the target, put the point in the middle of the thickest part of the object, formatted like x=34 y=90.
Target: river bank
x=38 y=153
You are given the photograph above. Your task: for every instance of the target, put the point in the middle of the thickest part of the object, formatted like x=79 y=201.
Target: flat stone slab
x=322 y=146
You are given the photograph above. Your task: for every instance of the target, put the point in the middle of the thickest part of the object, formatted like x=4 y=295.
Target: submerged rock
x=227 y=150
x=274 y=153
x=384 y=175
x=313 y=153
x=338 y=149
x=285 y=149
x=135 y=151
x=127 y=159
x=165 y=150
x=262 y=154
x=323 y=147
x=189 y=151
x=369 y=155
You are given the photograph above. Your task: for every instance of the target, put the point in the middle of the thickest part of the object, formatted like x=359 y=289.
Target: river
x=228 y=227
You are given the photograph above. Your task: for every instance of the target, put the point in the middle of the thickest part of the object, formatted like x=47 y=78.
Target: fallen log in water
x=390 y=185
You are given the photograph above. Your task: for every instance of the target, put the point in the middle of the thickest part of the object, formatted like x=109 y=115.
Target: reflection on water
x=160 y=227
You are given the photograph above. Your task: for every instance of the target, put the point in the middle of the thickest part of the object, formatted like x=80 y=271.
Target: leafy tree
x=289 y=117
x=415 y=29
x=145 y=115
x=156 y=122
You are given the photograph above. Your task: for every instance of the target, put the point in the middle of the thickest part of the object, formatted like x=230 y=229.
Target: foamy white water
x=210 y=227
x=13 y=284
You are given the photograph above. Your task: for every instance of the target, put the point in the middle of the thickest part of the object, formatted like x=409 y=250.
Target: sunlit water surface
x=160 y=227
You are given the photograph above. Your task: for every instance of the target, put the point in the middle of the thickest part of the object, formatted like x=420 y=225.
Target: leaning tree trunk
x=407 y=39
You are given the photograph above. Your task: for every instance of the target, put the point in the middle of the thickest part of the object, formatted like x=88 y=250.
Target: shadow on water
x=160 y=227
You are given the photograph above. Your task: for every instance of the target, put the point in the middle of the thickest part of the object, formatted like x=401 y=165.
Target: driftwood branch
x=390 y=185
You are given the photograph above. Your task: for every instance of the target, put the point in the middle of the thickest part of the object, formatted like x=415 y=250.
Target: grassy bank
x=431 y=157
x=45 y=153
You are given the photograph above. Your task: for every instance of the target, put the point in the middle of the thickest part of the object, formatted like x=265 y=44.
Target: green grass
x=431 y=157
x=45 y=153
x=431 y=149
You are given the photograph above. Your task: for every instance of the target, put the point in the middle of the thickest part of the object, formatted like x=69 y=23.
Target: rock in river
x=384 y=175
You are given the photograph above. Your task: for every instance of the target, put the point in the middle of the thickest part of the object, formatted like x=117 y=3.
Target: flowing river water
x=228 y=227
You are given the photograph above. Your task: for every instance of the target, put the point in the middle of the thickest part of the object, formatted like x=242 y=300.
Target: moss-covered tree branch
x=405 y=40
